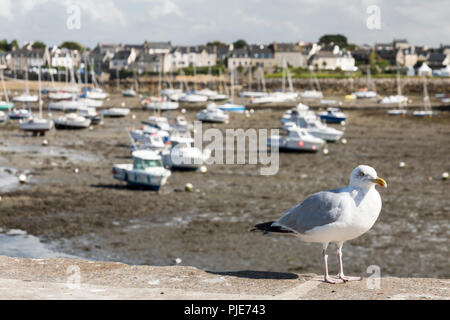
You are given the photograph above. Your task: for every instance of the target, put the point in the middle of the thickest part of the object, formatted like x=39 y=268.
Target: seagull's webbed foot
x=348 y=278
x=333 y=281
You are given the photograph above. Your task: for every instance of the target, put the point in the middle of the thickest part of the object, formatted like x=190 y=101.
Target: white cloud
x=161 y=8
x=6 y=11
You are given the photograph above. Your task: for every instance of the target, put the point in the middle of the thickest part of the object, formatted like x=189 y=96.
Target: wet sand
x=90 y=215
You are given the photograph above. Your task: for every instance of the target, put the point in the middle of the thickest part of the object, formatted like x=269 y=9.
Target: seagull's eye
x=361 y=174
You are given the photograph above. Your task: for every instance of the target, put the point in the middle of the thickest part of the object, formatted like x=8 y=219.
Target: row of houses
x=399 y=52
x=155 y=56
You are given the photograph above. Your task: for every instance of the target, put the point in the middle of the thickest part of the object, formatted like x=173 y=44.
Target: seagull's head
x=365 y=177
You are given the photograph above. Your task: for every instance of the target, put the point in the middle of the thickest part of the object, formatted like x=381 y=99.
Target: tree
x=216 y=43
x=72 y=45
x=334 y=39
x=38 y=45
x=14 y=45
x=239 y=44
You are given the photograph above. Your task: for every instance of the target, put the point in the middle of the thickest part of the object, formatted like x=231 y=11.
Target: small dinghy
x=332 y=115
x=297 y=139
x=18 y=114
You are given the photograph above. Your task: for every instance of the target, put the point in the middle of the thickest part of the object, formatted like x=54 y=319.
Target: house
x=186 y=56
x=333 y=60
x=222 y=52
x=407 y=57
x=239 y=58
x=400 y=44
x=102 y=54
x=122 y=59
x=438 y=60
x=157 y=47
x=362 y=55
x=261 y=56
x=22 y=58
x=289 y=53
x=146 y=62
x=63 y=57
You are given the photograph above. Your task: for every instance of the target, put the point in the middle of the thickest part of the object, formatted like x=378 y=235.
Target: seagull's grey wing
x=319 y=209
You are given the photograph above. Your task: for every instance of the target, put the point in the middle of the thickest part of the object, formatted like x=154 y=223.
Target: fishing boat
x=212 y=114
x=71 y=121
x=184 y=156
x=297 y=139
x=332 y=115
x=308 y=120
x=147 y=170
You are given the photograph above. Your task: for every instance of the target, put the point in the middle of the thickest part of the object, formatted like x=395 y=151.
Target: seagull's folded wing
x=317 y=210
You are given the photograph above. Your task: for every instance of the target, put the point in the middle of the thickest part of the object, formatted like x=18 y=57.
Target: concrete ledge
x=80 y=279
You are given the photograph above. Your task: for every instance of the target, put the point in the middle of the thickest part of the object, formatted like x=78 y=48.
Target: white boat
x=71 y=121
x=193 y=98
x=297 y=139
x=253 y=94
x=129 y=93
x=94 y=93
x=232 y=107
x=90 y=102
x=152 y=142
x=311 y=94
x=397 y=112
x=398 y=99
x=394 y=99
x=160 y=123
x=65 y=105
x=146 y=171
x=206 y=92
x=3 y=117
x=365 y=94
x=25 y=98
x=308 y=120
x=426 y=112
x=17 y=114
x=115 y=112
x=180 y=124
x=184 y=156
x=60 y=95
x=169 y=91
x=144 y=134
x=161 y=105
x=36 y=125
x=90 y=113
x=212 y=114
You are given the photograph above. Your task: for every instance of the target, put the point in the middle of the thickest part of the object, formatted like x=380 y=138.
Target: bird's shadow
x=252 y=274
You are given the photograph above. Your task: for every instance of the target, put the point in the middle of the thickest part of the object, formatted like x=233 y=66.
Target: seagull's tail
x=267 y=227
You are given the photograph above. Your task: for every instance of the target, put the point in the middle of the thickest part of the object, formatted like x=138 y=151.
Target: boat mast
x=284 y=76
x=39 y=92
x=250 y=78
x=426 y=98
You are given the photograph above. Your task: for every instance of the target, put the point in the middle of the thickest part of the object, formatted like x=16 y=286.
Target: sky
x=190 y=22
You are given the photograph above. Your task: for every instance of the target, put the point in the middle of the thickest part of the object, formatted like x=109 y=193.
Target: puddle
x=18 y=244
x=8 y=179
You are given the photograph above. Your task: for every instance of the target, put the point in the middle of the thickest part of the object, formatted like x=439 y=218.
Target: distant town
x=332 y=55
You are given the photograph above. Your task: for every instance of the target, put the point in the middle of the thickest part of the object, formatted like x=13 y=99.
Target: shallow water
x=16 y=243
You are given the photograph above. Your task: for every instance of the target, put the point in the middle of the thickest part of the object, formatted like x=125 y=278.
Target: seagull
x=334 y=216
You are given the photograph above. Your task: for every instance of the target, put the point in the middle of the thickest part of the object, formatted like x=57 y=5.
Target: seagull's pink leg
x=341 y=268
x=325 y=261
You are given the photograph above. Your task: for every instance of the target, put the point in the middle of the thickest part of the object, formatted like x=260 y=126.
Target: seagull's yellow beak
x=379 y=181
